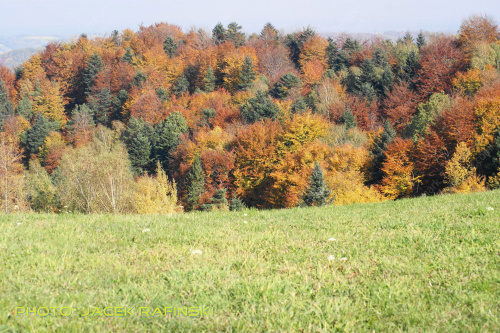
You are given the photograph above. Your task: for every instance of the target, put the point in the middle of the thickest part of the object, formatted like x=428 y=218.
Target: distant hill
x=14 y=58
x=388 y=35
x=14 y=50
x=9 y=43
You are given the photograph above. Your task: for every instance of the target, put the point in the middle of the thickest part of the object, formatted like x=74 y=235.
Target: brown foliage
x=8 y=79
x=457 y=123
x=400 y=105
x=431 y=155
x=440 y=60
x=477 y=28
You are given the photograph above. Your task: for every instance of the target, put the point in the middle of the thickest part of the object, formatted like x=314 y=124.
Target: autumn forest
x=161 y=120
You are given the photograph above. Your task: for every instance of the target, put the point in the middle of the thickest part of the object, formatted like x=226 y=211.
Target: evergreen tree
x=269 y=33
x=352 y=81
x=351 y=46
x=236 y=204
x=248 y=74
x=299 y=106
x=294 y=42
x=411 y=66
x=117 y=106
x=162 y=94
x=94 y=66
x=169 y=46
x=284 y=85
x=115 y=37
x=139 y=79
x=195 y=184
x=138 y=138
x=218 y=201
x=408 y=38
x=192 y=73
x=6 y=106
x=348 y=119
x=101 y=104
x=34 y=137
x=25 y=108
x=318 y=193
x=384 y=85
x=18 y=71
x=167 y=133
x=234 y=34
x=208 y=114
x=380 y=58
x=259 y=107
x=139 y=153
x=377 y=152
x=421 y=40
x=367 y=91
x=312 y=99
x=368 y=72
x=219 y=34
x=336 y=59
x=127 y=57
x=209 y=80
x=181 y=85
x=488 y=161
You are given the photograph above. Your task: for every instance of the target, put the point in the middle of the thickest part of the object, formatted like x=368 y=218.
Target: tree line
x=162 y=121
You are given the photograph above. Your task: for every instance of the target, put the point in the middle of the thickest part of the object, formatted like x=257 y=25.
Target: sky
x=70 y=17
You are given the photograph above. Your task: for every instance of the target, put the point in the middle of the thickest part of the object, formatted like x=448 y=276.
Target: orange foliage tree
x=400 y=177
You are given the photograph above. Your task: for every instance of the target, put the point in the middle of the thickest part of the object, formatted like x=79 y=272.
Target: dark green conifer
x=248 y=74
x=234 y=34
x=25 y=108
x=336 y=60
x=236 y=204
x=117 y=107
x=259 y=107
x=209 y=80
x=377 y=152
x=101 y=104
x=6 y=106
x=219 y=34
x=217 y=202
x=94 y=66
x=34 y=137
x=299 y=106
x=127 y=57
x=169 y=46
x=195 y=184
x=284 y=85
x=181 y=85
x=421 y=40
x=138 y=138
x=167 y=133
x=349 y=119
x=139 y=79
x=318 y=193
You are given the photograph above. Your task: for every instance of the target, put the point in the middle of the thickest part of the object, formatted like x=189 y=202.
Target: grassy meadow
x=429 y=264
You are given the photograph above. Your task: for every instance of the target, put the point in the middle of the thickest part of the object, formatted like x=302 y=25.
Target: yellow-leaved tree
x=156 y=195
x=11 y=175
x=346 y=176
x=460 y=175
x=399 y=170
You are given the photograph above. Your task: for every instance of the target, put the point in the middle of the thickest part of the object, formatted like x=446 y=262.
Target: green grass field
x=420 y=265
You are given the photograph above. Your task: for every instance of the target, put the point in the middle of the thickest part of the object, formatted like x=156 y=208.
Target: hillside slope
x=426 y=264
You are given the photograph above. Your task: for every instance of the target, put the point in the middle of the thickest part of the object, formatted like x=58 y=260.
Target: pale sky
x=70 y=17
